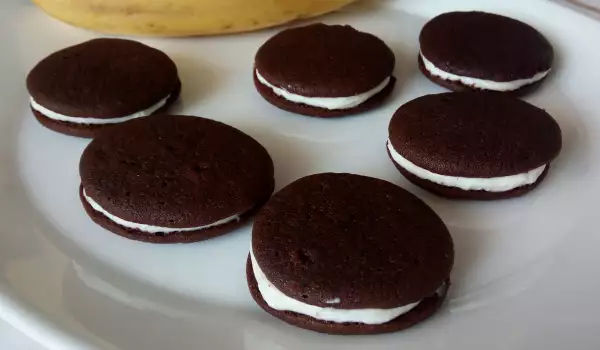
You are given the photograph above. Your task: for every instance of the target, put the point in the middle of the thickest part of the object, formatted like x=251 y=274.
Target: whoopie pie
x=174 y=179
x=324 y=70
x=349 y=254
x=473 y=145
x=483 y=51
x=99 y=83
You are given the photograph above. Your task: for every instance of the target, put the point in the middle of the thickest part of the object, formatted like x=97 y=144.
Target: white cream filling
x=482 y=83
x=279 y=301
x=331 y=103
x=150 y=228
x=97 y=121
x=494 y=184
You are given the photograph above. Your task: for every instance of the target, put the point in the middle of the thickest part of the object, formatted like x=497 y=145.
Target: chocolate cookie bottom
x=426 y=308
x=174 y=237
x=299 y=108
x=457 y=193
x=460 y=87
x=90 y=130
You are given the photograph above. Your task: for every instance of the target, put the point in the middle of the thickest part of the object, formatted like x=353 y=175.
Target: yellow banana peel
x=184 y=17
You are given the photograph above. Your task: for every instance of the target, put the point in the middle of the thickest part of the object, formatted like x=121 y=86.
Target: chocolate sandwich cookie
x=349 y=254
x=173 y=179
x=87 y=87
x=482 y=51
x=473 y=145
x=324 y=71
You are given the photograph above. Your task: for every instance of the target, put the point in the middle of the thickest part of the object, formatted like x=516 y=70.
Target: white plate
x=526 y=274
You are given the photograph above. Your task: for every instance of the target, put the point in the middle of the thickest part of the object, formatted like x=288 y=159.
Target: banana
x=184 y=17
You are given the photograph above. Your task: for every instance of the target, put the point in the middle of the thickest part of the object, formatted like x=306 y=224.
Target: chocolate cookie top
x=176 y=171
x=474 y=134
x=103 y=78
x=361 y=241
x=485 y=46
x=325 y=61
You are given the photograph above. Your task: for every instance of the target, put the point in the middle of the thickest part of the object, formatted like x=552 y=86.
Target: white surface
x=65 y=118
x=526 y=270
x=482 y=83
x=330 y=103
x=494 y=184
x=277 y=300
x=13 y=339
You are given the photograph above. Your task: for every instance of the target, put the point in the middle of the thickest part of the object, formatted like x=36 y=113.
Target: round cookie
x=349 y=254
x=465 y=51
x=174 y=179
x=84 y=88
x=473 y=145
x=324 y=71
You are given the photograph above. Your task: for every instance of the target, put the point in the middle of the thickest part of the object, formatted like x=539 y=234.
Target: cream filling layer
x=331 y=103
x=97 y=121
x=494 y=184
x=150 y=228
x=279 y=301
x=482 y=83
